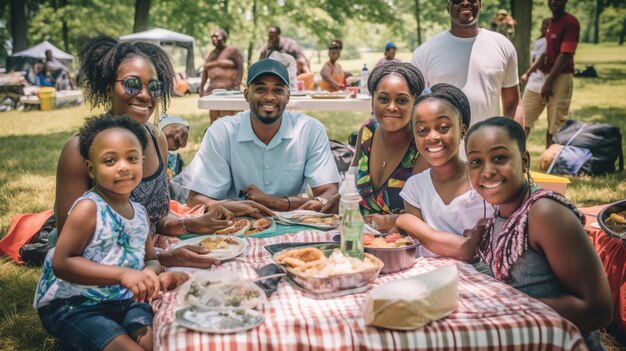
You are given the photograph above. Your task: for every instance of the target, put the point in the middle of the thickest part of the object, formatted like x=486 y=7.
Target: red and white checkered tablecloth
x=491 y=315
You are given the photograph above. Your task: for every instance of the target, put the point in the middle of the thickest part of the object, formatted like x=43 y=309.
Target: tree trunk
x=251 y=42
x=419 y=22
x=227 y=24
x=622 y=34
x=522 y=12
x=596 y=22
x=19 y=25
x=142 y=15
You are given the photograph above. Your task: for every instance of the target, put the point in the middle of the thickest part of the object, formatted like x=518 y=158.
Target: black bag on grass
x=343 y=155
x=602 y=139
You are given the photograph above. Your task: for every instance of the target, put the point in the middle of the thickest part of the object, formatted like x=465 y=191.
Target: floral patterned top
x=116 y=241
x=386 y=199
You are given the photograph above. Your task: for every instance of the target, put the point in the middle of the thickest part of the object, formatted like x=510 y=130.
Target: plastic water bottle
x=351 y=220
x=364 y=76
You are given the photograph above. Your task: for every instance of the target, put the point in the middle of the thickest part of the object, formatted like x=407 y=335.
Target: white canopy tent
x=22 y=60
x=160 y=36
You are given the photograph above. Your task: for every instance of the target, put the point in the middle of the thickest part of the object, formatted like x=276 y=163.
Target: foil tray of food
x=311 y=269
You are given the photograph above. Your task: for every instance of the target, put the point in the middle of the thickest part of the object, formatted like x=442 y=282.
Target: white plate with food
x=221 y=288
x=219 y=320
x=324 y=221
x=223 y=247
x=337 y=95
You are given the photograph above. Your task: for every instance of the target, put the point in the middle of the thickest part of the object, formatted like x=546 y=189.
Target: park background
x=30 y=142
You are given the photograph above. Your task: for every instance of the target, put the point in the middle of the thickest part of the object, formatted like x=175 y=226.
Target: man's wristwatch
x=322 y=200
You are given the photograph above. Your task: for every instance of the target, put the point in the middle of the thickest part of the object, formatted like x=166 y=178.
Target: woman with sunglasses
x=133 y=79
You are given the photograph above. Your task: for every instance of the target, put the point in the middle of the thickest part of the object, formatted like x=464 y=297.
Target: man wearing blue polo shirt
x=265 y=155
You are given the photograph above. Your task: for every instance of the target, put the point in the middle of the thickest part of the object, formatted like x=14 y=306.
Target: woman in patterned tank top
x=132 y=79
x=386 y=155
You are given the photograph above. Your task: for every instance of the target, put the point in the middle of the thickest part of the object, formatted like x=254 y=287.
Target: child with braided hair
x=536 y=241
x=440 y=204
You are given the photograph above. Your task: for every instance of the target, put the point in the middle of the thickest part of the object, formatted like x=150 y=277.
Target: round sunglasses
x=133 y=85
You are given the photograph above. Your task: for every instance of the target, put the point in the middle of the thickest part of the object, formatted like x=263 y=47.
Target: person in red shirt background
x=562 y=39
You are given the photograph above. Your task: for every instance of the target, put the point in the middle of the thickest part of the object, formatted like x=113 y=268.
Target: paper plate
x=270 y=229
x=295 y=218
x=229 y=253
x=219 y=320
x=330 y=96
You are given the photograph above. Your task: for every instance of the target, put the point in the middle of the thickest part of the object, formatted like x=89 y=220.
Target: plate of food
x=223 y=247
x=209 y=289
x=259 y=227
x=324 y=221
x=311 y=269
x=328 y=95
x=219 y=320
x=612 y=219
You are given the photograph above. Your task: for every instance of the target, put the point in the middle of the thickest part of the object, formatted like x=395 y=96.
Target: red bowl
x=395 y=258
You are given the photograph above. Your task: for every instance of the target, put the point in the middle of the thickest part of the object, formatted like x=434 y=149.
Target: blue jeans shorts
x=80 y=327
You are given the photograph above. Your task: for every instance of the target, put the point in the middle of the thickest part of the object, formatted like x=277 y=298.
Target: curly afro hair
x=97 y=124
x=101 y=56
x=452 y=96
x=410 y=73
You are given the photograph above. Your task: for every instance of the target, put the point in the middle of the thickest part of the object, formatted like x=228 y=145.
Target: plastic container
x=351 y=220
x=550 y=182
x=46 y=98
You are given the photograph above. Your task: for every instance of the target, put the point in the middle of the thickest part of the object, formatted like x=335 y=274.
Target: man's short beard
x=267 y=120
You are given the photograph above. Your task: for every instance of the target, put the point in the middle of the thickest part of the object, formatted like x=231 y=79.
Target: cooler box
x=550 y=182
x=46 y=98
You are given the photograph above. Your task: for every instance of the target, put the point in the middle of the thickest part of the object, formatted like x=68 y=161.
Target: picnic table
x=306 y=103
x=490 y=315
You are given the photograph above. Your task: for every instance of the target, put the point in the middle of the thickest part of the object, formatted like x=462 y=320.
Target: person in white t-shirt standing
x=478 y=61
x=534 y=78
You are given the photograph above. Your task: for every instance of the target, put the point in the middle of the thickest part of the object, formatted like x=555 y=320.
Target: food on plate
x=388 y=241
x=617 y=222
x=414 y=302
x=239 y=227
x=219 y=319
x=206 y=289
x=329 y=220
x=310 y=260
x=215 y=242
x=300 y=256
x=259 y=225
x=311 y=270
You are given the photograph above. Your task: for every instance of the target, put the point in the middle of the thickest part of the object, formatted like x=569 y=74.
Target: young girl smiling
x=96 y=282
x=440 y=202
x=536 y=241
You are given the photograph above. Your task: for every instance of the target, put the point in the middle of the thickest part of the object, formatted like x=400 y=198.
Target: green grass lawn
x=30 y=143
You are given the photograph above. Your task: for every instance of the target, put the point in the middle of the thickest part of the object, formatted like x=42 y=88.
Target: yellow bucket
x=46 y=98
x=550 y=182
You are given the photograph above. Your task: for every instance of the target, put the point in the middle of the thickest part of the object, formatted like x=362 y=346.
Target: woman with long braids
x=386 y=155
x=133 y=79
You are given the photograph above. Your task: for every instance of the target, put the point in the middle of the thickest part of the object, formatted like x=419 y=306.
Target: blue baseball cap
x=267 y=66
x=390 y=45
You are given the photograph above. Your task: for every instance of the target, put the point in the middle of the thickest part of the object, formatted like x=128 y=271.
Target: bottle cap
x=350 y=193
x=365 y=67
